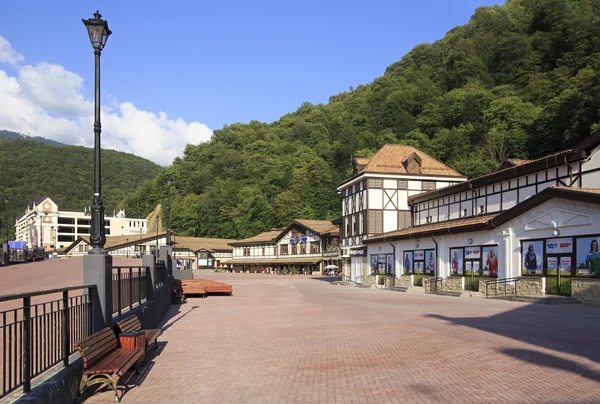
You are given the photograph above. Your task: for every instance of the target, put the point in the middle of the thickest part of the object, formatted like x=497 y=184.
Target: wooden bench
x=211 y=286
x=132 y=323
x=103 y=361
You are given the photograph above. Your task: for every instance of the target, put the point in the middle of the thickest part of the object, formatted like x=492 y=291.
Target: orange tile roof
x=200 y=243
x=520 y=162
x=265 y=237
x=319 y=226
x=390 y=157
x=362 y=161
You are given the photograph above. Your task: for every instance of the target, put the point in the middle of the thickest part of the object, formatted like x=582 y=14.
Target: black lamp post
x=168 y=181
x=6 y=214
x=98 y=32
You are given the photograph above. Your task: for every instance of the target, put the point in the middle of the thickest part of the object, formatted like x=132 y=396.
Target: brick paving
x=293 y=339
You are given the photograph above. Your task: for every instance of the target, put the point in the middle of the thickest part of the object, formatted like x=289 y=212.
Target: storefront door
x=356 y=269
x=472 y=271
x=558 y=274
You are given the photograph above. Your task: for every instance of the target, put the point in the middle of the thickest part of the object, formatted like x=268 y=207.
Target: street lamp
x=168 y=181
x=98 y=32
x=6 y=214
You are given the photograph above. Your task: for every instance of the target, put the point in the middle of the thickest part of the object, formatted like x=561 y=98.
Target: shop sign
x=559 y=245
x=419 y=255
x=358 y=252
x=472 y=253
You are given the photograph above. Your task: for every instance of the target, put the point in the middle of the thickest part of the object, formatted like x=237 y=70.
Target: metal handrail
x=504 y=282
x=37 y=336
x=434 y=281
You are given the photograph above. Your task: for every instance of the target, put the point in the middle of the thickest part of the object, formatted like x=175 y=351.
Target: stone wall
x=389 y=281
x=404 y=281
x=533 y=286
x=369 y=280
x=453 y=284
x=586 y=290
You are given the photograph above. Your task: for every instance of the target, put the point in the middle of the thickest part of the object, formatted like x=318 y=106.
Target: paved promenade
x=284 y=339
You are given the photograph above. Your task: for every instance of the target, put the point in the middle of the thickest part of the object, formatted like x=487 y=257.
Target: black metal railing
x=35 y=336
x=492 y=286
x=161 y=274
x=129 y=287
x=434 y=285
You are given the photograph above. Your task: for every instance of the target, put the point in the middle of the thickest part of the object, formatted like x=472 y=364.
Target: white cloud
x=8 y=54
x=47 y=100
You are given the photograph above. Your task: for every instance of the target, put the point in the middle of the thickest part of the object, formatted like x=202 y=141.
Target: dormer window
x=412 y=163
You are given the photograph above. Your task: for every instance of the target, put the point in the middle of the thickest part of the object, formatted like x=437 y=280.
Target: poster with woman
x=373 y=264
x=490 y=263
x=389 y=268
x=430 y=254
x=588 y=256
x=456 y=261
x=408 y=259
x=533 y=256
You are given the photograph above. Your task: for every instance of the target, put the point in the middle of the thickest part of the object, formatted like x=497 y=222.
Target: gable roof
x=511 y=163
x=320 y=227
x=492 y=220
x=198 y=243
x=267 y=236
x=389 y=159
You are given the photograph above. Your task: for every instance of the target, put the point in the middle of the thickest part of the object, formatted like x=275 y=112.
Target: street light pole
x=98 y=32
x=169 y=211
x=6 y=215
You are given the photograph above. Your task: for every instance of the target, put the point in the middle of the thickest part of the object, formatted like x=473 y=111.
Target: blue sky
x=220 y=62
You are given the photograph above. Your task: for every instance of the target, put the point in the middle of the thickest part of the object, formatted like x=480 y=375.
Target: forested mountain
x=29 y=168
x=7 y=134
x=519 y=80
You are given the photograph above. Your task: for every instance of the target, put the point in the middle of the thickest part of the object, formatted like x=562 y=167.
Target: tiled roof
x=319 y=226
x=390 y=157
x=199 y=243
x=435 y=227
x=259 y=238
x=362 y=161
x=116 y=241
x=582 y=190
x=520 y=162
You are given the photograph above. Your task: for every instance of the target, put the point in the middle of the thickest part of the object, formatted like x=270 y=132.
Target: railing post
x=516 y=283
x=66 y=328
x=26 y=344
x=149 y=261
x=119 y=287
x=130 y=288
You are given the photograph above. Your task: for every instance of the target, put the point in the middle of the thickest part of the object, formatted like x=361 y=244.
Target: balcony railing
x=36 y=336
x=161 y=274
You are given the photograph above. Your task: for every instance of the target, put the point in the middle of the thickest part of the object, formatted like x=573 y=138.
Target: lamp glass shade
x=97 y=30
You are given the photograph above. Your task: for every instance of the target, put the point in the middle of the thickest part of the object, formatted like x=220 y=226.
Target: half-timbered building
x=375 y=198
x=304 y=246
x=531 y=223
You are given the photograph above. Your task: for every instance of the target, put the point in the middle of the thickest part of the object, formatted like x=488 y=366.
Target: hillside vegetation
x=519 y=80
x=31 y=168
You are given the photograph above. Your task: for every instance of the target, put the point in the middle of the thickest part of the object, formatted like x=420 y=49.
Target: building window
x=428 y=185
x=263 y=251
x=402 y=184
x=375 y=221
x=404 y=219
x=314 y=248
x=374 y=183
x=294 y=249
x=246 y=251
x=283 y=249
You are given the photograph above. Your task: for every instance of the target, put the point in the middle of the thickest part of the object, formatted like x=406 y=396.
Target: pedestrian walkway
x=295 y=339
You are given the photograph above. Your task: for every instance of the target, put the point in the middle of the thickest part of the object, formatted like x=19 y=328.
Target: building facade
x=304 y=246
x=44 y=224
x=535 y=221
x=375 y=199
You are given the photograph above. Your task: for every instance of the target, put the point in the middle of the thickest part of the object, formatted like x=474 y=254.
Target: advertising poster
x=407 y=262
x=456 y=261
x=430 y=269
x=373 y=263
x=533 y=256
x=390 y=264
x=476 y=269
x=552 y=263
x=472 y=253
x=490 y=261
x=565 y=264
x=559 y=245
x=468 y=266
x=419 y=255
x=588 y=257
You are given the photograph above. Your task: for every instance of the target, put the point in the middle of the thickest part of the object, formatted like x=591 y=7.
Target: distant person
x=455 y=263
x=492 y=263
x=592 y=259
x=530 y=260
